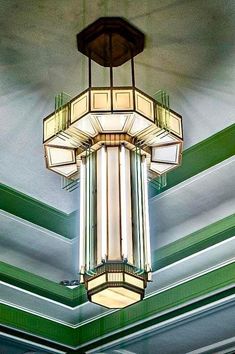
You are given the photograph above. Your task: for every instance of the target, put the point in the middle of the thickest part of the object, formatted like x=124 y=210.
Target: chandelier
x=114 y=140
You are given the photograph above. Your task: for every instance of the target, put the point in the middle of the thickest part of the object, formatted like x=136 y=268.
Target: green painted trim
x=202 y=156
x=39 y=213
x=41 y=286
x=184 y=247
x=117 y=321
x=196 y=159
x=195 y=242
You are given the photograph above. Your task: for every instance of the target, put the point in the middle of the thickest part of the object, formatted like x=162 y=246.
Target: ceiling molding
x=169 y=254
x=123 y=320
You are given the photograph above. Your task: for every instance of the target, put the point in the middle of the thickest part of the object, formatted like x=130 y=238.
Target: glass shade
x=112 y=123
x=79 y=107
x=161 y=168
x=85 y=125
x=123 y=100
x=67 y=170
x=100 y=100
x=115 y=297
x=59 y=156
x=166 y=153
x=144 y=105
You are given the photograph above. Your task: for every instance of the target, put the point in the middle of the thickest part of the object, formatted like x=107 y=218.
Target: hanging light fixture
x=114 y=139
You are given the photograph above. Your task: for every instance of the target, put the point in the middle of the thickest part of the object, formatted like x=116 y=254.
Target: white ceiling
x=189 y=53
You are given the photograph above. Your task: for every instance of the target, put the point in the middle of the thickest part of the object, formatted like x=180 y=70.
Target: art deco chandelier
x=114 y=139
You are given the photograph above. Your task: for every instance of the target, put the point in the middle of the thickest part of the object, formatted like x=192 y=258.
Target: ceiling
x=189 y=53
x=190 y=50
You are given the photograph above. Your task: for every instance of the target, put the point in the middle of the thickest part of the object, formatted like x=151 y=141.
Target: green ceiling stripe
x=186 y=246
x=202 y=156
x=117 y=321
x=196 y=159
x=195 y=242
x=38 y=213
x=157 y=320
x=41 y=286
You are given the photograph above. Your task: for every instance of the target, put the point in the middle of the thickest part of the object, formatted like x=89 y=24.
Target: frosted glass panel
x=161 y=168
x=175 y=124
x=139 y=124
x=100 y=100
x=163 y=138
x=66 y=170
x=49 y=127
x=112 y=122
x=123 y=99
x=79 y=107
x=84 y=124
x=117 y=297
x=144 y=105
x=166 y=153
x=57 y=156
x=114 y=240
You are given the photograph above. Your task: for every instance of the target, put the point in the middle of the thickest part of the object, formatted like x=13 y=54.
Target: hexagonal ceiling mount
x=110 y=41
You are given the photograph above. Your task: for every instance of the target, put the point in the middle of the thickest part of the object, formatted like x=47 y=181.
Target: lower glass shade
x=115 y=297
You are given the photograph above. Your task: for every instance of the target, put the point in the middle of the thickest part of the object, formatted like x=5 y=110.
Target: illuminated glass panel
x=113 y=199
x=84 y=125
x=59 y=156
x=161 y=168
x=100 y=100
x=112 y=123
x=139 y=124
x=66 y=170
x=123 y=99
x=166 y=153
x=144 y=105
x=175 y=124
x=115 y=277
x=79 y=107
x=134 y=281
x=49 y=127
x=116 y=297
x=96 y=281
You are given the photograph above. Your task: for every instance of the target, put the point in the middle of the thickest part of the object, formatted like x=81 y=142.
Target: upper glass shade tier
x=124 y=111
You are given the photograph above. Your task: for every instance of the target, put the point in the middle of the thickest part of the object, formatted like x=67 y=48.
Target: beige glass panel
x=101 y=204
x=126 y=212
x=49 y=127
x=96 y=282
x=79 y=107
x=163 y=138
x=175 y=124
x=113 y=197
x=100 y=100
x=117 y=297
x=57 y=156
x=147 y=251
x=115 y=277
x=123 y=99
x=166 y=153
x=84 y=125
x=144 y=105
x=134 y=281
x=82 y=235
x=112 y=123
x=66 y=142
x=161 y=168
x=66 y=170
x=139 y=124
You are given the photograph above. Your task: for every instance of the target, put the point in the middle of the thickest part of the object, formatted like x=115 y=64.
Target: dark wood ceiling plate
x=126 y=41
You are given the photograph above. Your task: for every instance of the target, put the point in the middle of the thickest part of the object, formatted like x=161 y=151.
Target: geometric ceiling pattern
x=189 y=306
